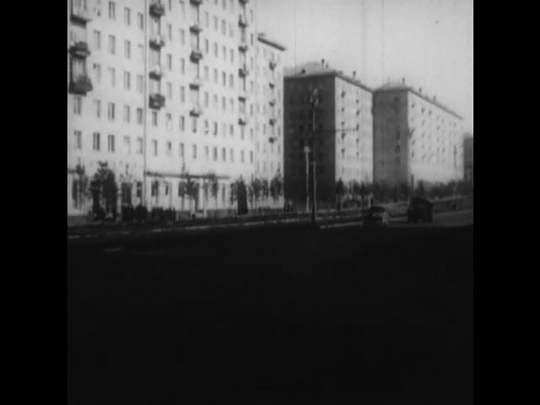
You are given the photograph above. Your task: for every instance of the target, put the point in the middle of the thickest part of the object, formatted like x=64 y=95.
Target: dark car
x=420 y=209
x=376 y=215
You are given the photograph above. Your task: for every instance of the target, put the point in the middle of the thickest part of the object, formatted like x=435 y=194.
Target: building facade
x=468 y=158
x=159 y=91
x=415 y=138
x=343 y=133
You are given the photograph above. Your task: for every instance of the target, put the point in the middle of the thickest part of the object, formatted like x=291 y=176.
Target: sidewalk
x=127 y=230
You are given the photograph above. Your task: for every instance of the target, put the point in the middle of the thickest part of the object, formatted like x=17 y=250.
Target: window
x=126 y=113
x=215 y=128
x=127 y=16
x=206 y=99
x=206 y=19
x=112 y=44
x=182 y=94
x=215 y=76
x=231 y=130
x=224 y=129
x=223 y=27
x=231 y=104
x=140 y=83
x=182 y=66
x=78 y=140
x=224 y=52
x=155 y=187
x=168 y=121
x=97 y=39
x=194 y=124
x=169 y=31
x=97 y=108
x=110 y=112
x=77 y=105
x=224 y=154
x=140 y=18
x=139 y=146
x=215 y=154
x=139 y=116
x=231 y=81
x=232 y=55
x=169 y=61
x=216 y=49
x=110 y=143
x=96 y=141
x=169 y=90
x=182 y=37
x=112 y=76
x=206 y=46
x=231 y=155
x=127 y=49
x=127 y=81
x=127 y=145
x=231 y=30
x=181 y=150
x=140 y=52
x=154 y=147
x=215 y=23
x=223 y=104
x=169 y=148
x=154 y=119
x=112 y=10
x=194 y=147
x=182 y=123
x=97 y=72
x=251 y=157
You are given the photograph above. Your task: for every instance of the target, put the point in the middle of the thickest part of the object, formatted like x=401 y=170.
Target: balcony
x=272 y=139
x=157 y=101
x=272 y=121
x=196 y=28
x=81 y=85
x=157 y=41
x=80 y=49
x=272 y=65
x=196 y=2
x=272 y=102
x=195 y=111
x=80 y=15
x=242 y=94
x=157 y=9
x=242 y=120
x=243 y=47
x=155 y=72
x=243 y=71
x=196 y=82
x=242 y=21
x=272 y=83
x=244 y=1
x=196 y=55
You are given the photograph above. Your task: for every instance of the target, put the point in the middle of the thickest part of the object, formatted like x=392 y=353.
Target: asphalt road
x=275 y=316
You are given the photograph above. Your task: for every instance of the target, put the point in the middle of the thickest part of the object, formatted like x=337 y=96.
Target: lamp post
x=314 y=101
x=409 y=165
x=306 y=151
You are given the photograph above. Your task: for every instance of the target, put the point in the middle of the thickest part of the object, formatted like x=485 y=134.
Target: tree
x=80 y=189
x=340 y=189
x=182 y=191
x=265 y=189
x=404 y=190
x=192 y=190
x=276 y=186
x=104 y=189
x=214 y=186
x=421 y=189
x=255 y=189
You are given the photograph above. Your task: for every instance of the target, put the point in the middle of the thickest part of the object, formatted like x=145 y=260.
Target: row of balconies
x=80 y=15
x=79 y=49
x=81 y=85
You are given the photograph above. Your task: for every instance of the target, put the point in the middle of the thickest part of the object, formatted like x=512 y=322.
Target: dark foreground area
x=275 y=316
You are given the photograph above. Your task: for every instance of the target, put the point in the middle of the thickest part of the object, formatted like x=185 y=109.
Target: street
x=276 y=316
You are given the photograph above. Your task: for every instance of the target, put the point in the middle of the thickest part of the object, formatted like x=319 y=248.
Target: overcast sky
x=429 y=42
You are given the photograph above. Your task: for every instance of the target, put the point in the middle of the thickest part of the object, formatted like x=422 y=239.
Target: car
x=420 y=209
x=376 y=215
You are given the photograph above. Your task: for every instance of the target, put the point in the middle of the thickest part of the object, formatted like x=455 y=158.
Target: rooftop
x=390 y=87
x=312 y=69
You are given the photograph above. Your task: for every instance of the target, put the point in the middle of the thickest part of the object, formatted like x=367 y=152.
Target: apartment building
x=269 y=113
x=158 y=90
x=343 y=132
x=416 y=138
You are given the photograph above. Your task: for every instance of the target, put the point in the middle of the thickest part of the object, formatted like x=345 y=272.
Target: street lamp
x=314 y=101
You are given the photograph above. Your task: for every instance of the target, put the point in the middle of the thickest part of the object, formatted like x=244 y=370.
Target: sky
x=427 y=42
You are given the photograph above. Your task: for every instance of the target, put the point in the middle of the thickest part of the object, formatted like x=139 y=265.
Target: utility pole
x=306 y=151
x=314 y=100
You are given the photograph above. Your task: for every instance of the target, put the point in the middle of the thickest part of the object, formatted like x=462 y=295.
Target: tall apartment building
x=269 y=112
x=343 y=132
x=159 y=90
x=415 y=138
x=468 y=158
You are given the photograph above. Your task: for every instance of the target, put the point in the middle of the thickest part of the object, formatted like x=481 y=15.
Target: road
x=441 y=219
x=275 y=316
